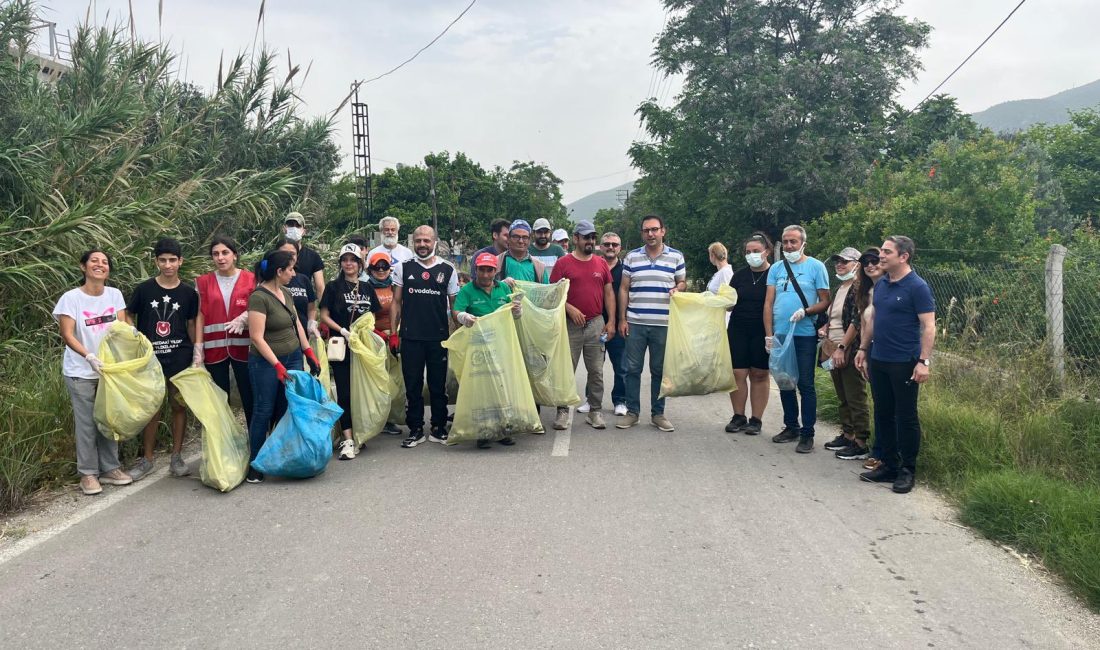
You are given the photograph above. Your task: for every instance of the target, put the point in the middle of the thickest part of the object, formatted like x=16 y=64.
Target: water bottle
x=603 y=337
x=827 y=365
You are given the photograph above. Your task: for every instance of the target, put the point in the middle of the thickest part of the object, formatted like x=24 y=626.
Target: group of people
x=878 y=328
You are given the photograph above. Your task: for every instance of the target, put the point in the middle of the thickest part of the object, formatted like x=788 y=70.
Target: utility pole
x=623 y=196
x=435 y=207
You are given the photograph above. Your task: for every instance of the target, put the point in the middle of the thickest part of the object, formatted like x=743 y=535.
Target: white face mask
x=294 y=234
x=847 y=276
x=389 y=241
x=794 y=256
x=429 y=256
x=754 y=259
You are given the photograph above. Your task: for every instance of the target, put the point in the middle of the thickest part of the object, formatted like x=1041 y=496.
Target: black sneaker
x=416 y=436
x=483 y=444
x=254 y=476
x=883 y=474
x=854 y=451
x=805 y=445
x=905 y=481
x=391 y=429
x=737 y=423
x=438 y=434
x=787 y=435
x=838 y=443
x=753 y=427
x=507 y=442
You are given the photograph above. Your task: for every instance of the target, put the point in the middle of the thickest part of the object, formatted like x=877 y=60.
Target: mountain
x=1020 y=114
x=587 y=206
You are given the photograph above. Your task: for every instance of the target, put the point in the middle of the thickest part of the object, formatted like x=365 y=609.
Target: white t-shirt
x=93 y=316
x=722 y=276
x=397 y=254
x=226 y=284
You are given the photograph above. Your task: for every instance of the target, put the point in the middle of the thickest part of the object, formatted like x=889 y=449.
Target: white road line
x=561 y=443
x=109 y=498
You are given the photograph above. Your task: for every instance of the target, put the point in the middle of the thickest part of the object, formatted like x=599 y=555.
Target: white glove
x=769 y=343
x=517 y=309
x=134 y=331
x=465 y=319
x=94 y=362
x=312 y=330
x=798 y=315
x=344 y=332
x=197 y=356
x=238 y=325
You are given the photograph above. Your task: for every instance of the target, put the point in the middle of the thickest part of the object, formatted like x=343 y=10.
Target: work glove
x=94 y=362
x=798 y=315
x=238 y=325
x=281 y=373
x=197 y=357
x=346 y=333
x=466 y=319
x=312 y=330
x=517 y=309
x=770 y=343
x=314 y=364
x=395 y=343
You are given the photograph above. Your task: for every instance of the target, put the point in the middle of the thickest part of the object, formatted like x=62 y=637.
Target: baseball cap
x=486 y=259
x=542 y=224
x=520 y=224
x=559 y=234
x=351 y=249
x=584 y=227
x=849 y=254
x=295 y=216
x=380 y=257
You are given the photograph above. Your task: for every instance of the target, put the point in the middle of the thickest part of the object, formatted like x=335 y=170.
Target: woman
x=84 y=315
x=746 y=336
x=717 y=254
x=278 y=343
x=345 y=299
x=220 y=339
x=380 y=279
x=857 y=313
x=301 y=288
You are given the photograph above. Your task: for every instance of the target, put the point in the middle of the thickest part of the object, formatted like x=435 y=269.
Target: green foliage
x=1074 y=151
x=911 y=133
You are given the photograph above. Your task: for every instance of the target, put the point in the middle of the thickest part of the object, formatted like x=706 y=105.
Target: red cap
x=486 y=259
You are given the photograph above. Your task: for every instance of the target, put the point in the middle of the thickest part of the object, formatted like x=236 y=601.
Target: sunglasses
x=379 y=267
x=613 y=244
x=871 y=262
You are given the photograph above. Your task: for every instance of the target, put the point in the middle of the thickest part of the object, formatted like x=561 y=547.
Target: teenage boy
x=163 y=308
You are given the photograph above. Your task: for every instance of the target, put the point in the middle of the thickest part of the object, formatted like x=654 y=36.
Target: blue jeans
x=642 y=337
x=616 y=349
x=268 y=397
x=805 y=351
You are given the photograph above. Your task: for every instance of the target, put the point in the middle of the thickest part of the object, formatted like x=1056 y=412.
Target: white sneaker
x=620 y=409
x=583 y=408
x=347 y=449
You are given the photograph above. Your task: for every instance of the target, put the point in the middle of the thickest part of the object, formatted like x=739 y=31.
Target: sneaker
x=872 y=463
x=627 y=421
x=787 y=435
x=805 y=445
x=661 y=422
x=595 y=420
x=905 y=481
x=620 y=409
x=882 y=474
x=347 y=449
x=507 y=442
x=753 y=427
x=254 y=476
x=483 y=444
x=416 y=436
x=141 y=468
x=438 y=434
x=854 y=451
x=116 y=477
x=584 y=408
x=562 y=421
x=90 y=485
x=736 y=423
x=838 y=443
x=176 y=466
x=391 y=429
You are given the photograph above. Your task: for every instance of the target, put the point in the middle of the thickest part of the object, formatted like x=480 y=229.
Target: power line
x=971 y=55
x=421 y=50
x=596 y=178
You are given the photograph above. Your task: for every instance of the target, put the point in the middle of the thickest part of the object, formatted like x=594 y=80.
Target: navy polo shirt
x=898 y=306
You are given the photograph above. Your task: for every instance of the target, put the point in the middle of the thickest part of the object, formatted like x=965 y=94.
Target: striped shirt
x=650 y=281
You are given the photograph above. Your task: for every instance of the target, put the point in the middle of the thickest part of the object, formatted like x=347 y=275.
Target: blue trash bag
x=301 y=444
x=784 y=364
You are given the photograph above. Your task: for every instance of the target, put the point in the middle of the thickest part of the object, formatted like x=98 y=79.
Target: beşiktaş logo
x=164 y=315
x=439 y=278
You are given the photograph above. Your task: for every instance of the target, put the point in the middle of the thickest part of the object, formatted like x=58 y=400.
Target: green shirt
x=280 y=329
x=522 y=270
x=473 y=300
x=548 y=257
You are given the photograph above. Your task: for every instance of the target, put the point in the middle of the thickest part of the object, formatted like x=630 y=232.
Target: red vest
x=217 y=344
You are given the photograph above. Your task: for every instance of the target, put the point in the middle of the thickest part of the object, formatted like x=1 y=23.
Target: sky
x=556 y=82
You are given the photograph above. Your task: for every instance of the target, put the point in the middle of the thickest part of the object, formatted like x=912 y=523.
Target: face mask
x=793 y=256
x=847 y=276
x=294 y=234
x=430 y=255
x=754 y=259
x=389 y=242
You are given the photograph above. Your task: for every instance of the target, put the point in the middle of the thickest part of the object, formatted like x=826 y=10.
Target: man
x=516 y=263
x=896 y=354
x=793 y=301
x=611 y=244
x=836 y=346
x=425 y=289
x=499 y=231
x=480 y=298
x=651 y=274
x=590 y=292
x=309 y=262
x=561 y=238
x=542 y=249
x=389 y=227
x=163 y=308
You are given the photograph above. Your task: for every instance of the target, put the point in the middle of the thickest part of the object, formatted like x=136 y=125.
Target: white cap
x=540 y=224
x=559 y=235
x=351 y=249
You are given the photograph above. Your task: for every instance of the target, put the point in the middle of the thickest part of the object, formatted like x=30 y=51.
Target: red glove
x=382 y=335
x=314 y=364
x=280 y=372
x=395 y=343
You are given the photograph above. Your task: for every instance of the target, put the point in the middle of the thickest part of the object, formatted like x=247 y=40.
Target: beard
x=389 y=241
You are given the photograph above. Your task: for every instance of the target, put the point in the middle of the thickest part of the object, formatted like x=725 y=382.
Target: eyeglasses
x=647 y=231
x=612 y=244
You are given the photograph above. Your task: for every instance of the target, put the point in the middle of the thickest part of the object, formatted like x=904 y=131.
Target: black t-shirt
x=347 y=301
x=425 y=300
x=752 y=289
x=309 y=262
x=161 y=315
x=301 y=289
x=616 y=282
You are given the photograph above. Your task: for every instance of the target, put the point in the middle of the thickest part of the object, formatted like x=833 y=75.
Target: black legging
x=341 y=374
x=219 y=372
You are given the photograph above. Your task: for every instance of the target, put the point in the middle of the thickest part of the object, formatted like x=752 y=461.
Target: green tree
x=1074 y=150
x=910 y=133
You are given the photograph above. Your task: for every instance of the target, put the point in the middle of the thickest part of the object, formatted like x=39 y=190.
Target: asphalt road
x=636 y=538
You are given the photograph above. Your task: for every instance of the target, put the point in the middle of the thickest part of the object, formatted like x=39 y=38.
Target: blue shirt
x=898 y=306
x=811 y=275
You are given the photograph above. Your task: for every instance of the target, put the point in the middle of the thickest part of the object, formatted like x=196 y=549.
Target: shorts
x=747 y=346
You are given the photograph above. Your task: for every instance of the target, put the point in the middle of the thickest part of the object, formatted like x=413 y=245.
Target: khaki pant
x=851 y=389
x=586 y=340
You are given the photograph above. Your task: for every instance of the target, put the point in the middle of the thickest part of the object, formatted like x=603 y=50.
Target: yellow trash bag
x=397 y=390
x=697 y=351
x=370 y=380
x=545 y=343
x=224 y=440
x=319 y=349
x=494 y=398
x=131 y=384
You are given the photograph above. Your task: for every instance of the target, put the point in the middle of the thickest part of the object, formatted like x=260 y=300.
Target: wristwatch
x=926 y=362
x=840 y=346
